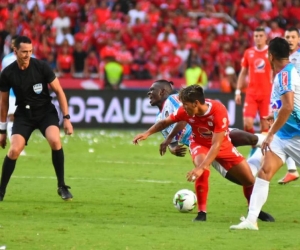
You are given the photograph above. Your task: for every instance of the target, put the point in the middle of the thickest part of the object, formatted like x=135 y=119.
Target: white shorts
x=286 y=147
x=12 y=105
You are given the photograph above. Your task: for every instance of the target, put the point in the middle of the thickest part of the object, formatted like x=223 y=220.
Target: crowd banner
x=127 y=109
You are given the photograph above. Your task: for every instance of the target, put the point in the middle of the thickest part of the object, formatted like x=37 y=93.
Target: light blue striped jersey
x=170 y=106
x=285 y=81
x=295 y=60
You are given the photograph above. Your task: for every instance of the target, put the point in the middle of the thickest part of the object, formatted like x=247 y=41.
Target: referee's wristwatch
x=67 y=116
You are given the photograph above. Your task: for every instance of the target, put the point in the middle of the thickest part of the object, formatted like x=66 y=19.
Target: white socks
x=290 y=163
x=254 y=161
x=258 y=198
x=261 y=138
x=9 y=129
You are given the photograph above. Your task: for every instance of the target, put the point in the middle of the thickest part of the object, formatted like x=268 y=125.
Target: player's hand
x=238 y=99
x=269 y=118
x=179 y=150
x=3 y=140
x=194 y=174
x=68 y=128
x=139 y=137
x=163 y=146
x=265 y=146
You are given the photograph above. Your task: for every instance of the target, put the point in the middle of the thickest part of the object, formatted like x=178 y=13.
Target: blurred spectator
x=169 y=34
x=139 y=69
x=61 y=21
x=124 y=57
x=183 y=52
x=108 y=50
x=102 y=12
x=152 y=66
x=65 y=35
x=113 y=74
x=113 y=23
x=276 y=31
x=136 y=12
x=294 y=12
x=92 y=65
x=64 y=61
x=78 y=68
x=196 y=75
x=32 y=3
x=52 y=62
x=165 y=46
x=50 y=12
x=228 y=82
x=193 y=36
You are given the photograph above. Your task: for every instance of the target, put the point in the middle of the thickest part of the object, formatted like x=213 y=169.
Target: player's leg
x=240 y=171
x=10 y=118
x=243 y=138
x=249 y=114
x=271 y=163
x=201 y=184
x=50 y=129
x=20 y=135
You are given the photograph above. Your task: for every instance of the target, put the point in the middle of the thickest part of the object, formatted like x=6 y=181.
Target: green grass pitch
x=123 y=201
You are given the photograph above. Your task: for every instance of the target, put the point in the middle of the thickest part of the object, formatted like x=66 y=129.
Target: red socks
x=201 y=188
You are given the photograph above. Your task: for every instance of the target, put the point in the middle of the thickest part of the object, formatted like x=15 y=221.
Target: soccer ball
x=185 y=200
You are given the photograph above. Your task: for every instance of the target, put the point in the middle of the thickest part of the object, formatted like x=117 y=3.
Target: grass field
x=123 y=200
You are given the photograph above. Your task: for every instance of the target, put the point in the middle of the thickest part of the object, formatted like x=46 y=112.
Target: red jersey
x=215 y=120
x=260 y=72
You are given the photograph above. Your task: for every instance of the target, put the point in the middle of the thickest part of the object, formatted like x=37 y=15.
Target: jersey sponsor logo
x=210 y=123
x=38 y=88
x=259 y=64
x=205 y=132
x=191 y=120
x=276 y=104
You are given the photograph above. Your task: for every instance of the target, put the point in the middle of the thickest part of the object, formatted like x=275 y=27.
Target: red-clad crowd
x=151 y=39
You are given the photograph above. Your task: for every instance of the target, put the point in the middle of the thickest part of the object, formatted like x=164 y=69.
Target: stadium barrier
x=127 y=109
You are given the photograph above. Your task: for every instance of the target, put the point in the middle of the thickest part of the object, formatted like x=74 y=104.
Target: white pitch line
x=99 y=179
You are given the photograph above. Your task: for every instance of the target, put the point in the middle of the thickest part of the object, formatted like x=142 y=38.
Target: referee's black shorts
x=24 y=124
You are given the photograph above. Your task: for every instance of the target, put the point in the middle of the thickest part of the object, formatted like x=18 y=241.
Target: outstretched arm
x=159 y=126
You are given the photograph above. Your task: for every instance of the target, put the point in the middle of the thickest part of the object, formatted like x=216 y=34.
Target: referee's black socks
x=58 y=163
x=8 y=168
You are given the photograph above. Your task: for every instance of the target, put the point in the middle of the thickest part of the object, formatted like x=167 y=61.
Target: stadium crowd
x=149 y=39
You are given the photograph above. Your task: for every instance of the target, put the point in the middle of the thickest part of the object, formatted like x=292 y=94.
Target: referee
x=29 y=79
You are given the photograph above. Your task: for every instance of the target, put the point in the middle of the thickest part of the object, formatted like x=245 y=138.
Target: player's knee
x=55 y=144
x=14 y=152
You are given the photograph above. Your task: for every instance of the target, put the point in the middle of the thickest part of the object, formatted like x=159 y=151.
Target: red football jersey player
x=256 y=65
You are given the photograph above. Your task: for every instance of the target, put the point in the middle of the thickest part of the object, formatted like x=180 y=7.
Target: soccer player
x=293 y=38
x=257 y=99
x=210 y=139
x=283 y=138
x=29 y=79
x=7 y=60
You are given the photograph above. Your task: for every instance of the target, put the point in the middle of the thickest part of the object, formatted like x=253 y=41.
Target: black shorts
x=24 y=124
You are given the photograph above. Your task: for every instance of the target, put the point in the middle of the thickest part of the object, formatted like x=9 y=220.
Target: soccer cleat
x=263 y=216
x=289 y=177
x=1 y=195
x=200 y=217
x=64 y=193
x=244 y=225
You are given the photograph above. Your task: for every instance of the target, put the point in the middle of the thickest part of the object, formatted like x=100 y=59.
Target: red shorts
x=228 y=157
x=255 y=103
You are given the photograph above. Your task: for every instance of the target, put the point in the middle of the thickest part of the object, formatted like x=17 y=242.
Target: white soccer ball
x=185 y=200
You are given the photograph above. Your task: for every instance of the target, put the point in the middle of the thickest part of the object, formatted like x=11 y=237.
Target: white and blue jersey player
x=287 y=139
x=171 y=105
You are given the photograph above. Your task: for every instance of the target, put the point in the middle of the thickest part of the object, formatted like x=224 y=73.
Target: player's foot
x=64 y=193
x=245 y=224
x=2 y=195
x=263 y=216
x=23 y=153
x=200 y=217
x=289 y=177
